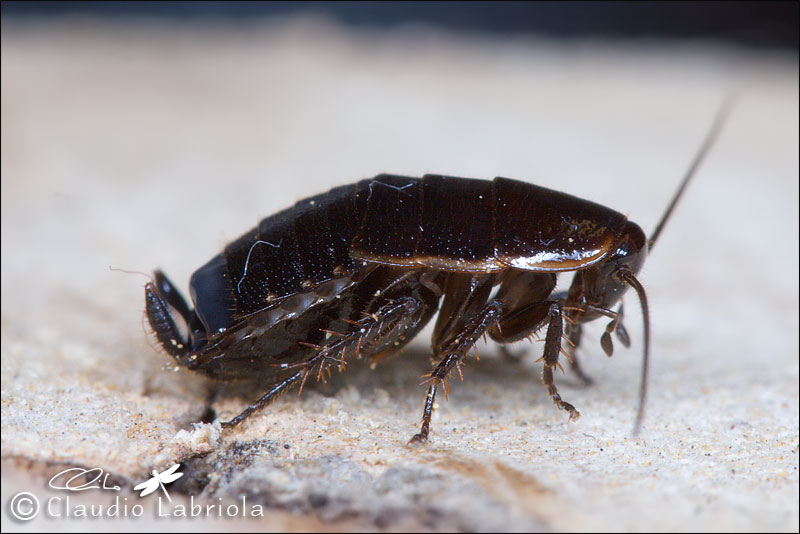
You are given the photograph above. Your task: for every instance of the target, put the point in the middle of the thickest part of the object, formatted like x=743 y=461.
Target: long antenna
x=711 y=137
x=627 y=276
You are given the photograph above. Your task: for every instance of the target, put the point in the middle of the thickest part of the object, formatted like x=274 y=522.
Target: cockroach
x=360 y=270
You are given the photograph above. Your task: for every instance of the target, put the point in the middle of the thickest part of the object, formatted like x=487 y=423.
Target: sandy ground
x=146 y=146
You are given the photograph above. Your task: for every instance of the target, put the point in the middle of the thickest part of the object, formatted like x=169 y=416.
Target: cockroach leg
x=453 y=353
x=427 y=413
x=552 y=350
x=390 y=322
x=268 y=397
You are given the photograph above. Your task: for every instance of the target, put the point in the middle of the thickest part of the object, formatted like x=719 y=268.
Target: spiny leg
x=369 y=333
x=552 y=350
x=531 y=309
x=266 y=399
x=524 y=321
x=453 y=353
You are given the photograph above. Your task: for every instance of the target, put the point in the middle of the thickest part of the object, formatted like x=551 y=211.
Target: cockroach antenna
x=628 y=277
x=722 y=115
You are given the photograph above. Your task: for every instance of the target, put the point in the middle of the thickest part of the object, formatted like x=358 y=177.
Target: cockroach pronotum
x=359 y=271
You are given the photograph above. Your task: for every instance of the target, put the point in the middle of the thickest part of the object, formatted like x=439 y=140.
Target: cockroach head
x=600 y=286
x=596 y=290
x=628 y=256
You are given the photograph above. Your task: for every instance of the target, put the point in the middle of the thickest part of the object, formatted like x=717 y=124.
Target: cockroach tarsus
x=360 y=270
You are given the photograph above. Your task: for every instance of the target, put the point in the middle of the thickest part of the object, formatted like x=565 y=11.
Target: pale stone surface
x=152 y=146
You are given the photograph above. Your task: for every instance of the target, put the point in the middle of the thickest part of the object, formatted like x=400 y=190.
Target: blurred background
x=142 y=135
x=759 y=24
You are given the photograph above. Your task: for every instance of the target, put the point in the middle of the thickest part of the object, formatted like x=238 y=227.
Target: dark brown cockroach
x=358 y=272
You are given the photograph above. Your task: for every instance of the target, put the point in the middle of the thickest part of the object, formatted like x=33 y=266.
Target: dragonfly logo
x=25 y=506
x=159 y=480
